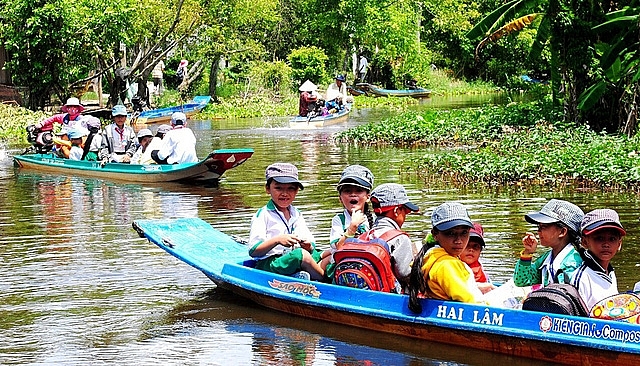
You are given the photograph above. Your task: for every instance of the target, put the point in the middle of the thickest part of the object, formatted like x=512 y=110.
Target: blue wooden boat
x=163 y=115
x=299 y=122
x=548 y=337
x=206 y=171
x=414 y=93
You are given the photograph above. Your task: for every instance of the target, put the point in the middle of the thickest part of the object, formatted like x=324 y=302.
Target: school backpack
x=366 y=262
x=557 y=298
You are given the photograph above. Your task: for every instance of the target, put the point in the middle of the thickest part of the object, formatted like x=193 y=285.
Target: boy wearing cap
x=391 y=205
x=119 y=143
x=280 y=240
x=471 y=254
x=438 y=271
x=354 y=187
x=558 y=228
x=602 y=235
x=75 y=136
x=179 y=144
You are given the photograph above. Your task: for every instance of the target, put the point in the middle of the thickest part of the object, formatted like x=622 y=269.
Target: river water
x=78 y=286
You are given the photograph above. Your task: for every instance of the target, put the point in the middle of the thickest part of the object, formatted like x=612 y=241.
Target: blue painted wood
x=222 y=259
x=320 y=121
x=197 y=104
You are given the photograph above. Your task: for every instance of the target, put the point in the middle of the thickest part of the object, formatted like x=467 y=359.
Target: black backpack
x=557 y=298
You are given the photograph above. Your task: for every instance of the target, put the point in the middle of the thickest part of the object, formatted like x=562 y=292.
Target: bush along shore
x=14 y=120
x=513 y=144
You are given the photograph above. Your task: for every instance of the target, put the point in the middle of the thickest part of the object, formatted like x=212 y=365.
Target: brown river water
x=79 y=287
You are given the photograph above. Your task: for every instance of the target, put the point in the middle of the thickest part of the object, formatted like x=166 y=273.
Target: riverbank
x=14 y=120
x=517 y=144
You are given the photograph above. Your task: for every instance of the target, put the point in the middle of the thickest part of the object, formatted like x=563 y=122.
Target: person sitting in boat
x=280 y=240
x=119 y=143
x=354 y=187
x=558 y=228
x=309 y=99
x=391 y=206
x=602 y=235
x=154 y=144
x=93 y=142
x=178 y=145
x=437 y=271
x=68 y=119
x=144 y=138
x=76 y=136
x=471 y=256
x=337 y=94
x=61 y=143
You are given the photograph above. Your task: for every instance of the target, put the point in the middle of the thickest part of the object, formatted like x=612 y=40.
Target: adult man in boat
x=337 y=94
x=178 y=145
x=308 y=98
x=119 y=142
x=68 y=119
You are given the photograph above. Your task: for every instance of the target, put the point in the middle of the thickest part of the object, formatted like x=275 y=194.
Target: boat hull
x=163 y=115
x=414 y=93
x=548 y=337
x=208 y=170
x=320 y=121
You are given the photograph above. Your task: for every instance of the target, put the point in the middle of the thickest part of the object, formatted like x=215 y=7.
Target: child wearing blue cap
x=437 y=271
x=558 y=228
x=280 y=240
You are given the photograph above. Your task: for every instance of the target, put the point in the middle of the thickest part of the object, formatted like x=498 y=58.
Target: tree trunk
x=213 y=76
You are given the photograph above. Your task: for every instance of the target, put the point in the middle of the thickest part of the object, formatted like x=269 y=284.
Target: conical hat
x=308 y=86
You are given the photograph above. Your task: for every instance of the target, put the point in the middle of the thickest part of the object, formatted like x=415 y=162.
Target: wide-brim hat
x=75 y=102
x=601 y=219
x=308 y=86
x=449 y=215
x=558 y=211
x=356 y=175
x=283 y=173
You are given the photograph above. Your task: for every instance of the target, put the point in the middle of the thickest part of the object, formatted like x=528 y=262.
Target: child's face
x=453 y=240
x=551 y=234
x=603 y=244
x=282 y=194
x=76 y=142
x=353 y=197
x=472 y=252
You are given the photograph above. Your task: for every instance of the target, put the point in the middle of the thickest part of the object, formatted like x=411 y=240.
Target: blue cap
x=119 y=110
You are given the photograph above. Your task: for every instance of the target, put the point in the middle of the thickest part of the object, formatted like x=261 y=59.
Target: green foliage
x=14 y=120
x=275 y=76
x=308 y=63
x=253 y=106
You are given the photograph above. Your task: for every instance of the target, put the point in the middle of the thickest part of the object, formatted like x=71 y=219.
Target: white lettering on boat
x=451 y=312
x=588 y=329
x=297 y=287
x=151 y=168
x=489 y=317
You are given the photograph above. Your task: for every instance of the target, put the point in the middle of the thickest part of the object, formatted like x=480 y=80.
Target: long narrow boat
x=163 y=115
x=206 y=171
x=299 y=122
x=414 y=93
x=548 y=337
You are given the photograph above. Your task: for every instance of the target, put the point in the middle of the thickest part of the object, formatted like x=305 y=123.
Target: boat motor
x=42 y=141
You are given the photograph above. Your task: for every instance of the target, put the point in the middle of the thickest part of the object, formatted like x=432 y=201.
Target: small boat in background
x=163 y=115
x=206 y=171
x=300 y=122
x=414 y=93
x=355 y=91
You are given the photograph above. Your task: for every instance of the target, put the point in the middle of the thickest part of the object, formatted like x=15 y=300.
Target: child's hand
x=357 y=218
x=305 y=245
x=530 y=243
x=485 y=287
x=288 y=240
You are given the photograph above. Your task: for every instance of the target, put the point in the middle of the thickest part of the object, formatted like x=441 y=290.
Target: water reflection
x=80 y=287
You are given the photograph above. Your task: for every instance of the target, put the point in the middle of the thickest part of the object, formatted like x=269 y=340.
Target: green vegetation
x=514 y=144
x=14 y=120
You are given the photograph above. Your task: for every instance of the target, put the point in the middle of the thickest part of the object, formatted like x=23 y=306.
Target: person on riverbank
x=356 y=218
x=178 y=145
x=471 y=256
x=392 y=205
x=157 y=74
x=602 y=235
x=280 y=240
x=437 y=271
x=68 y=119
x=120 y=141
x=558 y=228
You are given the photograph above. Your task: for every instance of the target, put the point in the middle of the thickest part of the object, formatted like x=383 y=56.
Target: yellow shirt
x=449 y=278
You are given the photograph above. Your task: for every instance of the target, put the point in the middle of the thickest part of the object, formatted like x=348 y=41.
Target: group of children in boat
x=447 y=266
x=81 y=137
x=312 y=104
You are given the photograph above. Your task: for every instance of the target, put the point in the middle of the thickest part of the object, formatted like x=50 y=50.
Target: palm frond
x=515 y=25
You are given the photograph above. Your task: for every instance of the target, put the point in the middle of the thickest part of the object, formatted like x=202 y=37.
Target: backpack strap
x=392 y=234
x=565 y=276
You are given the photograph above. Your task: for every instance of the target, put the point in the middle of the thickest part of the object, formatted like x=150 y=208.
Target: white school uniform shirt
x=338 y=228
x=549 y=269
x=269 y=222
x=179 y=146
x=76 y=153
x=592 y=281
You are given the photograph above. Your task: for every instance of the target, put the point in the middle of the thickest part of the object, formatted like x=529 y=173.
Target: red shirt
x=306 y=98
x=478 y=272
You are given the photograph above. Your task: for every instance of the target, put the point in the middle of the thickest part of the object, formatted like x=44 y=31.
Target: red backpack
x=366 y=263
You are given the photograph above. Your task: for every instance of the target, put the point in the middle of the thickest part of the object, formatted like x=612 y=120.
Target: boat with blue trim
x=548 y=337
x=300 y=122
x=380 y=92
x=206 y=171
x=163 y=115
